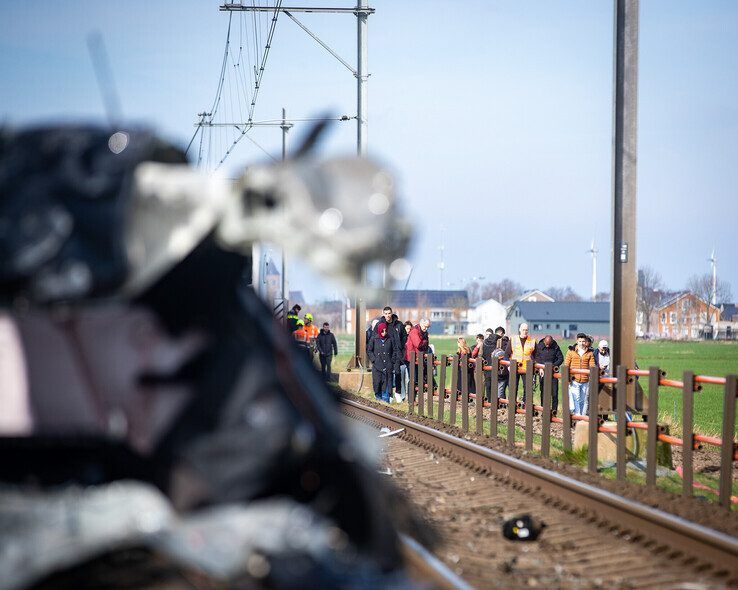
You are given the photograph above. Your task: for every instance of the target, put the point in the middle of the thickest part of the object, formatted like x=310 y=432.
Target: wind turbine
x=593 y=252
x=442 y=250
x=713 y=263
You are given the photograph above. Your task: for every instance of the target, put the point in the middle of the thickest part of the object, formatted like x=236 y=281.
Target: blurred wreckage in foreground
x=165 y=431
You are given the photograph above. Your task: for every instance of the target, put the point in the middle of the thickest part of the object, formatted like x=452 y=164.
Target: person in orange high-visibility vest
x=523 y=347
x=311 y=330
x=300 y=336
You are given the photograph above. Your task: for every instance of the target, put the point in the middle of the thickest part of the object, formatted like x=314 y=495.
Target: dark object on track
x=522 y=528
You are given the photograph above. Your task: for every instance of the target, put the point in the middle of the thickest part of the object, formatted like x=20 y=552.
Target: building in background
x=727 y=325
x=560 y=319
x=685 y=316
x=486 y=314
x=447 y=310
x=534 y=296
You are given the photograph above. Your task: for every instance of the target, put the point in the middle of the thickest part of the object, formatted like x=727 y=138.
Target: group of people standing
x=525 y=349
x=389 y=345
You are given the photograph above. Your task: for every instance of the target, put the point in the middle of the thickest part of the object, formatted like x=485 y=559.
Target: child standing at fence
x=580 y=357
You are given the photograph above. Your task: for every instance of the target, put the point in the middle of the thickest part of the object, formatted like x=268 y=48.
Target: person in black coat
x=496 y=345
x=326 y=346
x=385 y=356
x=547 y=350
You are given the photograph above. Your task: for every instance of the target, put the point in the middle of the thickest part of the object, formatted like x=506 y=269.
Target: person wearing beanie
x=385 y=357
x=602 y=358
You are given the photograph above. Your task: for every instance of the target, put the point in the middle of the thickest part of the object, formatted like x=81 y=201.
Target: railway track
x=594 y=538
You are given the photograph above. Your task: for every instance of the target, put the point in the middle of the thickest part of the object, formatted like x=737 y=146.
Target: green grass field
x=705 y=358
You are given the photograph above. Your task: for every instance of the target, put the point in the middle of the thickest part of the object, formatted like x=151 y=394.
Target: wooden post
x=454 y=387
x=727 y=450
x=479 y=386
x=421 y=379
x=547 y=393
x=687 y=432
x=464 y=366
x=494 y=380
x=429 y=372
x=620 y=392
x=565 y=411
x=512 y=402
x=412 y=372
x=442 y=387
x=592 y=396
x=529 y=372
x=653 y=425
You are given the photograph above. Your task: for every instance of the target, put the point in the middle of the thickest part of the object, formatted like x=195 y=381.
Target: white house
x=486 y=314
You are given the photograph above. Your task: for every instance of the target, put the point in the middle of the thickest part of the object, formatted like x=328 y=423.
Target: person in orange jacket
x=300 y=336
x=523 y=347
x=580 y=356
x=311 y=331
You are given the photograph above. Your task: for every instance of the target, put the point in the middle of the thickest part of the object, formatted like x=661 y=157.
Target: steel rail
x=430 y=568
x=705 y=544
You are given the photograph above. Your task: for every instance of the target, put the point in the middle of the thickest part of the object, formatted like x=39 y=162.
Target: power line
x=257 y=85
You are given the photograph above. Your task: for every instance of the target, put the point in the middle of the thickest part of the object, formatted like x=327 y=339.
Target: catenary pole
x=625 y=106
x=361 y=78
x=285 y=282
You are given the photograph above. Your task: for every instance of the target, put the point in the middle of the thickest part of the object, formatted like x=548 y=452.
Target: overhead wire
x=228 y=122
x=257 y=84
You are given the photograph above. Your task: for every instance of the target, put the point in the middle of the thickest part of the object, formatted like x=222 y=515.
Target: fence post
x=620 y=391
x=687 y=432
x=421 y=379
x=411 y=383
x=494 y=402
x=565 y=411
x=546 y=394
x=479 y=386
x=727 y=450
x=528 y=393
x=454 y=387
x=464 y=370
x=512 y=402
x=429 y=372
x=593 y=394
x=442 y=387
x=653 y=425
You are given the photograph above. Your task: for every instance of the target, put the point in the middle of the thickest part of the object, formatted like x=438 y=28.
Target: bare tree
x=503 y=290
x=563 y=294
x=649 y=293
x=701 y=285
x=602 y=296
x=474 y=291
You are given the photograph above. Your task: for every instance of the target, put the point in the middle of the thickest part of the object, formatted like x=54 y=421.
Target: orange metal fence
x=690 y=383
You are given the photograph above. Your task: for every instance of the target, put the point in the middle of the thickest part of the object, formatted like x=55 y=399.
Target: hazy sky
x=496 y=117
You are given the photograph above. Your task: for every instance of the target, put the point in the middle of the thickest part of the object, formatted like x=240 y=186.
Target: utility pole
x=625 y=108
x=361 y=77
x=285 y=283
x=362 y=12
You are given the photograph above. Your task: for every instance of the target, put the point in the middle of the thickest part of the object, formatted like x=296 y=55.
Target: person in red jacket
x=417 y=342
x=417 y=339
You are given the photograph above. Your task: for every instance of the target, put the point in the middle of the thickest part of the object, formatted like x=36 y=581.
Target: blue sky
x=496 y=117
